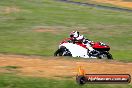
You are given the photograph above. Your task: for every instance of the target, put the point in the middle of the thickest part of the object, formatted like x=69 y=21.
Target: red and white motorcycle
x=78 y=49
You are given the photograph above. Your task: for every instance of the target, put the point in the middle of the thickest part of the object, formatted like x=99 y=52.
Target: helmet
x=74 y=34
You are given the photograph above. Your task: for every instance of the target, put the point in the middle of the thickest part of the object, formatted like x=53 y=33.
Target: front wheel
x=109 y=56
x=105 y=55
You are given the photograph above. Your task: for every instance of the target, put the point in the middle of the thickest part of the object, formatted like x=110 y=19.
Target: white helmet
x=74 y=34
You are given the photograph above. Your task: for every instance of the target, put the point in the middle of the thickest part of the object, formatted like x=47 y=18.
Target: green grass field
x=18 y=35
x=12 y=81
x=20 y=19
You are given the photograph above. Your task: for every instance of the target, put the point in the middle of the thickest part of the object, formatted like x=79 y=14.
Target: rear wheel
x=63 y=51
x=58 y=52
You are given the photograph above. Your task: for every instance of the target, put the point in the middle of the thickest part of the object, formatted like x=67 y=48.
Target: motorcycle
x=77 y=49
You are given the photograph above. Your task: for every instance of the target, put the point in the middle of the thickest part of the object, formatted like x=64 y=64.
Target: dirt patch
x=121 y=3
x=47 y=30
x=11 y=9
x=60 y=66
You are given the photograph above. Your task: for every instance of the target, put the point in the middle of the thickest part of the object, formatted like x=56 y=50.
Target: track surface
x=121 y=3
x=59 y=66
x=97 y=6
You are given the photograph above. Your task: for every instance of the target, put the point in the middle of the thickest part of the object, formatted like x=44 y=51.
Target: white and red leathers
x=77 y=37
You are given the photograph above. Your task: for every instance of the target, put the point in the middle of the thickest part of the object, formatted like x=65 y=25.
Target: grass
x=11 y=67
x=20 y=18
x=13 y=81
x=18 y=35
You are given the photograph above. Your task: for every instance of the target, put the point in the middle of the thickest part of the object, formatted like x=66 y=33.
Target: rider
x=75 y=36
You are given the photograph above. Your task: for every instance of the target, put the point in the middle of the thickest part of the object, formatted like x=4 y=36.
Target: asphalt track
x=97 y=6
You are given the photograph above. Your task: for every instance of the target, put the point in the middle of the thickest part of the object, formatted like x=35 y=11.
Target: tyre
x=102 y=56
x=63 y=51
x=105 y=55
x=58 y=52
x=80 y=80
x=109 y=56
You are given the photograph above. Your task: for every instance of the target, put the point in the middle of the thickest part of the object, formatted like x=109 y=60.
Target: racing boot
x=93 y=52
